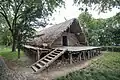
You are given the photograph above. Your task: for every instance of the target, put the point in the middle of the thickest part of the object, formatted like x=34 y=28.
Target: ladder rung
x=43 y=62
x=55 y=53
x=52 y=55
x=46 y=59
x=38 y=65
x=49 y=57
x=34 y=68
x=59 y=50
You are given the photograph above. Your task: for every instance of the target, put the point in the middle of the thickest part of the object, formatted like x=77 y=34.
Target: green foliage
x=101 y=5
x=105 y=68
x=22 y=16
x=101 y=32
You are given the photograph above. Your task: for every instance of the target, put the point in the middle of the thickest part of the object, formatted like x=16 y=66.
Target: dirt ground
x=52 y=72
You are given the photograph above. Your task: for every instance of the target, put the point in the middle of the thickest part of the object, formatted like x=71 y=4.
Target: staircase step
x=43 y=62
x=49 y=57
x=57 y=51
x=34 y=68
x=54 y=53
x=47 y=60
x=39 y=65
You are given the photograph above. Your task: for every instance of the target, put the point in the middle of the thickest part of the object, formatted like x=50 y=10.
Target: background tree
x=26 y=13
x=101 y=32
x=101 y=5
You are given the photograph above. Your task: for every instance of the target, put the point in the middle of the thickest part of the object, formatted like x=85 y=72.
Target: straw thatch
x=49 y=35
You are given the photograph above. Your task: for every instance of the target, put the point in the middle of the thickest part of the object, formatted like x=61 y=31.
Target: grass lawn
x=8 y=54
x=105 y=68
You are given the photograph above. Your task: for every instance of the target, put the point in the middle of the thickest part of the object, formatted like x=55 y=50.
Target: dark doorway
x=65 y=42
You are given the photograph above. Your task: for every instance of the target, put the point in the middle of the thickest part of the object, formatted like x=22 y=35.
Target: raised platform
x=78 y=48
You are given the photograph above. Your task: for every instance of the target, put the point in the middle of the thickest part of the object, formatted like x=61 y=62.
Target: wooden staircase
x=47 y=60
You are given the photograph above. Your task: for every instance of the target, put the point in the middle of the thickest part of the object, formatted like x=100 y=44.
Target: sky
x=71 y=11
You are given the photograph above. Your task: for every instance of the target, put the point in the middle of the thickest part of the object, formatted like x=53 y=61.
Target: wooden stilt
x=91 y=53
x=88 y=54
x=84 y=55
x=70 y=58
x=80 y=56
x=63 y=57
x=38 y=55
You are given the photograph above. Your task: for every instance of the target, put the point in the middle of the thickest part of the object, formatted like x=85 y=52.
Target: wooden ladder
x=47 y=60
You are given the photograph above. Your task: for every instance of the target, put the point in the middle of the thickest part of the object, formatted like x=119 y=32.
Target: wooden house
x=55 y=41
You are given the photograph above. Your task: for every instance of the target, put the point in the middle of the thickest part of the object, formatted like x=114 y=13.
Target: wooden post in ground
x=84 y=55
x=38 y=54
x=97 y=52
x=80 y=56
x=91 y=53
x=70 y=57
x=88 y=52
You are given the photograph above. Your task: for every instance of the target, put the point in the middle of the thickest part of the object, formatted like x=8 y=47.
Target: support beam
x=88 y=52
x=80 y=56
x=38 y=54
x=83 y=55
x=91 y=53
x=70 y=58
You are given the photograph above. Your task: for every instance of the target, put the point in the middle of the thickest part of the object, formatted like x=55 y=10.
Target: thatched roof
x=49 y=35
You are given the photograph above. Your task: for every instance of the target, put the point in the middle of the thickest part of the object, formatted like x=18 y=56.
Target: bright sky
x=73 y=12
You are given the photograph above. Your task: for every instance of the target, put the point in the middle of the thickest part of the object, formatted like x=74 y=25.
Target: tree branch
x=6 y=18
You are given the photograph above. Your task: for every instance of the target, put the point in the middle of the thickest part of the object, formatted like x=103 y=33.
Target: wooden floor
x=78 y=48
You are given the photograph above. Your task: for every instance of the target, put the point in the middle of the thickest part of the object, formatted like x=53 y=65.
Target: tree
x=21 y=13
x=101 y=5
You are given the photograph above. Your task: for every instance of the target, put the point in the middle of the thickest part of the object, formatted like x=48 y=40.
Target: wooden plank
x=43 y=62
x=46 y=59
x=39 y=65
x=34 y=68
x=50 y=57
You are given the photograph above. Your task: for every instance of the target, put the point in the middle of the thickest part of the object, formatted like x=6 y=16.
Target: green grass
x=8 y=54
x=105 y=68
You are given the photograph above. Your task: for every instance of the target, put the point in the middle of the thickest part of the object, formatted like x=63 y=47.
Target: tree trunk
x=14 y=44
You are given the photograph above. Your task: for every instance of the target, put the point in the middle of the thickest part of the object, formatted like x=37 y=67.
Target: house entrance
x=65 y=41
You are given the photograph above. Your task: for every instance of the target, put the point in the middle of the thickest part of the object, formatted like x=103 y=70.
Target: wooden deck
x=78 y=48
